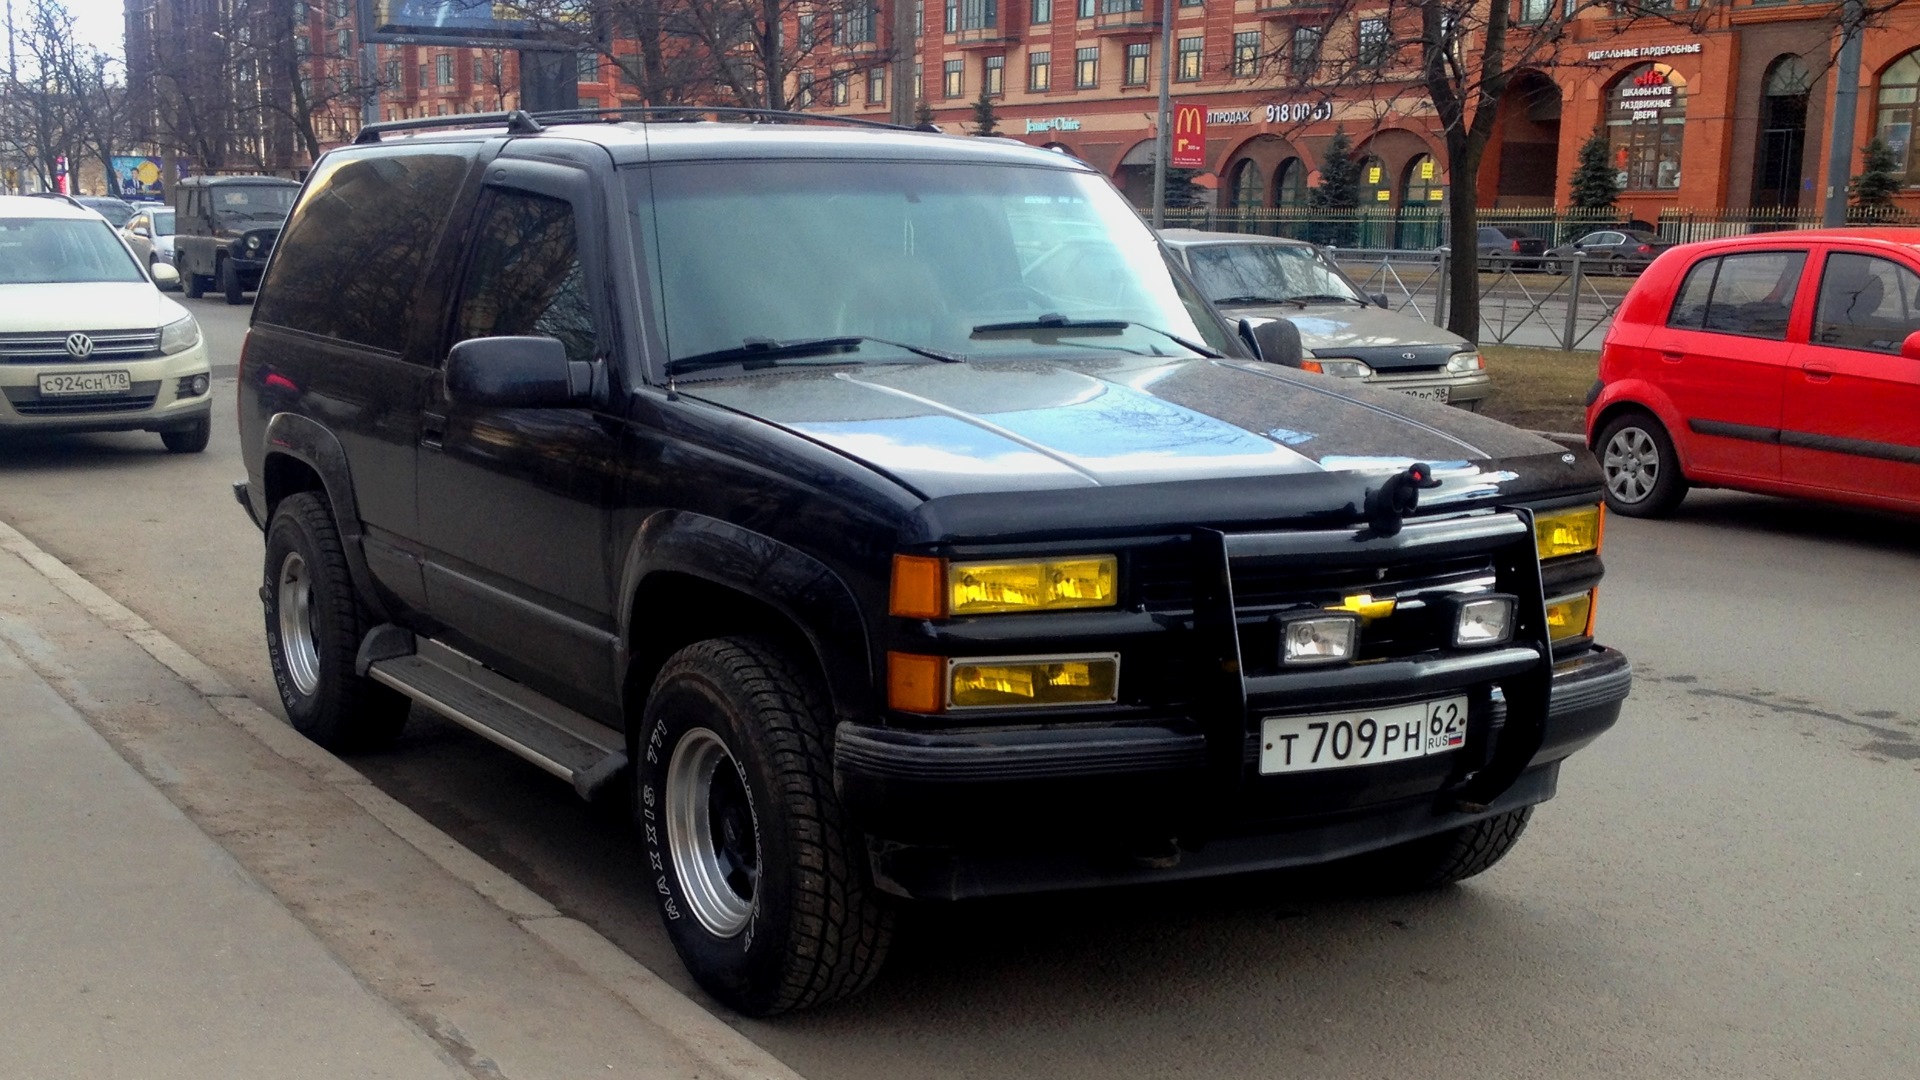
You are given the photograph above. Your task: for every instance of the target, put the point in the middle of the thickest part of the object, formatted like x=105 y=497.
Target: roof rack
x=61 y=195
x=521 y=122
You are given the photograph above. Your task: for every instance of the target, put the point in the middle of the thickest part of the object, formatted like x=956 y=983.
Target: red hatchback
x=1785 y=363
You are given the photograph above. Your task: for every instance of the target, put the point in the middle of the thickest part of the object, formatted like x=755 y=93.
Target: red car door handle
x=1672 y=356
x=1817 y=372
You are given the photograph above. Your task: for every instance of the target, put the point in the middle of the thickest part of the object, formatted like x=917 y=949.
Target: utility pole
x=1846 y=96
x=1162 y=141
x=905 y=50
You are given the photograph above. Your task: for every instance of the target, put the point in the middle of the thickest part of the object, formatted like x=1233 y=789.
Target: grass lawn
x=1542 y=389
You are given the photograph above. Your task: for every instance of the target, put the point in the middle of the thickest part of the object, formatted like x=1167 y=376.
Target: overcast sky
x=99 y=23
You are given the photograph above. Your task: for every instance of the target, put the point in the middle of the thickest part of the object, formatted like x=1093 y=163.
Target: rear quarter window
x=350 y=260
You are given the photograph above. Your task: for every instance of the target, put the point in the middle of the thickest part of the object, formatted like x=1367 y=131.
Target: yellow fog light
x=1039 y=680
x=1037 y=585
x=1570 y=616
x=1568 y=532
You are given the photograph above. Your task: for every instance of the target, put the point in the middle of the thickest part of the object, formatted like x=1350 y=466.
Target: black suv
x=774 y=466
x=225 y=228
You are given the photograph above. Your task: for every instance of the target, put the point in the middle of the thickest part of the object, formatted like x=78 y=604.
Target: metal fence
x=1425 y=227
x=1549 y=302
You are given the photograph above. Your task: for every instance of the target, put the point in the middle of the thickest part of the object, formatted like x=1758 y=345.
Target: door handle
x=1672 y=356
x=433 y=428
x=1817 y=372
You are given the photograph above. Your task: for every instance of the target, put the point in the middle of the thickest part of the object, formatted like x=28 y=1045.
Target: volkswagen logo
x=79 y=346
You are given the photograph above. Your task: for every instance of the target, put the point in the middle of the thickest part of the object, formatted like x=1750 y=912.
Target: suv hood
x=1000 y=426
x=1373 y=334
x=115 y=305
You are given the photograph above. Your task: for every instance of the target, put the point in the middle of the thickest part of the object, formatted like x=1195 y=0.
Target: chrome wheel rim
x=1632 y=464
x=297 y=643
x=711 y=833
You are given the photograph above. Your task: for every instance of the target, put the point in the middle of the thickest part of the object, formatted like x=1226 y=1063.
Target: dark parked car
x=754 y=471
x=116 y=211
x=1786 y=363
x=224 y=230
x=1610 y=251
x=1502 y=247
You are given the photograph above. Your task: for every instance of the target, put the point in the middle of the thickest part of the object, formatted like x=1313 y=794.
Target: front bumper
x=159 y=398
x=1463 y=390
x=1009 y=810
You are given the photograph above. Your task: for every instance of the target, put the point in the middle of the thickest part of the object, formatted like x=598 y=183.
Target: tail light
x=1516 y=245
x=1645 y=249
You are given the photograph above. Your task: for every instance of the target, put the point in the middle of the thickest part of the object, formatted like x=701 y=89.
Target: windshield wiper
x=754 y=354
x=1312 y=297
x=1251 y=298
x=1055 y=321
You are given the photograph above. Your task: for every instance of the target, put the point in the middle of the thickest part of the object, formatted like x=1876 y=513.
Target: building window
x=1373 y=43
x=1042 y=12
x=1246 y=54
x=1306 y=50
x=1137 y=57
x=876 y=85
x=1190 y=3
x=919 y=82
x=1646 y=123
x=972 y=14
x=1535 y=11
x=855 y=26
x=1899 y=114
x=994 y=78
x=393 y=73
x=953 y=15
x=1039 y=71
x=1088 y=7
x=1086 y=67
x=1249 y=187
x=956 y=78
x=803 y=90
x=920 y=18
x=1423 y=186
x=1290 y=183
x=1187 y=68
x=445 y=65
x=841 y=91
x=589 y=64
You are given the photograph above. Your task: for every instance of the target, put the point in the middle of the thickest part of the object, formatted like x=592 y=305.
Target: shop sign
x=1189 y=137
x=1286 y=112
x=1229 y=116
x=1053 y=123
x=1640 y=52
x=1649 y=93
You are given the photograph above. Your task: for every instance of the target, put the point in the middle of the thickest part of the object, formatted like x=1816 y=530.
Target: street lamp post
x=1846 y=96
x=1162 y=144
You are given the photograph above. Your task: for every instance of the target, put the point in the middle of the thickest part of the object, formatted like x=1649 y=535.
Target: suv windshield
x=972 y=261
x=49 y=251
x=234 y=203
x=1267 y=273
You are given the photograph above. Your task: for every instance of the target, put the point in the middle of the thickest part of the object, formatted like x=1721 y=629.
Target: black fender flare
x=313 y=445
x=801 y=588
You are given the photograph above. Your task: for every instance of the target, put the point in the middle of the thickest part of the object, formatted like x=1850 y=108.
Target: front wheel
x=1642 y=471
x=229 y=280
x=189 y=440
x=761 y=884
x=314 y=625
x=192 y=284
x=1441 y=859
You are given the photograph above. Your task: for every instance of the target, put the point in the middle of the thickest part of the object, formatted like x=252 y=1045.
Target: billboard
x=1189 y=137
x=138 y=178
x=480 y=23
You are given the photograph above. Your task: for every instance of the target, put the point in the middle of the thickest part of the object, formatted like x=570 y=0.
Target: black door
x=1783 y=135
x=514 y=502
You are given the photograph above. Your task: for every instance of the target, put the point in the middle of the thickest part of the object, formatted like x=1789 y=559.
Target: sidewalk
x=189 y=889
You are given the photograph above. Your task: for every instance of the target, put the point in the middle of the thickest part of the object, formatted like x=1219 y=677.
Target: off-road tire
x=189 y=440
x=813 y=930
x=339 y=710
x=193 y=285
x=1642 y=471
x=1442 y=859
x=228 y=282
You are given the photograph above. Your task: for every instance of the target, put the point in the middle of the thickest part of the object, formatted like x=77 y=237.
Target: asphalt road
x=1727 y=886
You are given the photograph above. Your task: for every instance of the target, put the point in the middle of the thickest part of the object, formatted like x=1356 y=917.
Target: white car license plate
x=1370 y=737
x=85 y=382
x=1428 y=393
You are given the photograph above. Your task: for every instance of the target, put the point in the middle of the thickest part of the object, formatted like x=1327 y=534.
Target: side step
x=552 y=736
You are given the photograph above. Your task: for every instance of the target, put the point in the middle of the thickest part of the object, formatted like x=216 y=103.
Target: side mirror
x=1379 y=299
x=1276 y=341
x=164 y=275
x=1910 y=348
x=517 y=373
x=141 y=230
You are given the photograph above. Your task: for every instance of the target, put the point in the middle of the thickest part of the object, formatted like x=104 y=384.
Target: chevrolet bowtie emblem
x=1365 y=606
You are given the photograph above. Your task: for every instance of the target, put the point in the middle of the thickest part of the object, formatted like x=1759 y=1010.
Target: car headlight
x=253 y=244
x=933 y=684
x=1462 y=362
x=927 y=588
x=1345 y=369
x=1570 y=616
x=1574 y=531
x=179 y=336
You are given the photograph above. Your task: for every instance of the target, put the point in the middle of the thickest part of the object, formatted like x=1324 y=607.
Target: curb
x=704 y=1036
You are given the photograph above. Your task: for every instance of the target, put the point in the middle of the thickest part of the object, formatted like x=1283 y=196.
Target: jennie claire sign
x=1053 y=123
x=1643 y=51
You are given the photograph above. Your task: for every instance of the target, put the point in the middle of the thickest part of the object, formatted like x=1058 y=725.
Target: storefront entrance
x=1783 y=134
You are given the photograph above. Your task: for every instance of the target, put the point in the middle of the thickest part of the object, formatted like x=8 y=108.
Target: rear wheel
x=1642 y=471
x=761 y=884
x=1442 y=859
x=229 y=280
x=194 y=285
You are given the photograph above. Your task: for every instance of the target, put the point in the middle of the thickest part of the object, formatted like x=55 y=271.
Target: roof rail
x=61 y=195
x=520 y=122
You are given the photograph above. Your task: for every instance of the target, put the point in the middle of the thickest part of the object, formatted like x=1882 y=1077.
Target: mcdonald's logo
x=1189 y=137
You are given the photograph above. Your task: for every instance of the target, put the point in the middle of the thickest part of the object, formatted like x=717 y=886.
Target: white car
x=87 y=343
x=150 y=234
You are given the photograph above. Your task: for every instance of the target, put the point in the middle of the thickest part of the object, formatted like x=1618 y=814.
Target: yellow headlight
x=1039 y=585
x=1570 y=616
x=1568 y=532
x=1084 y=680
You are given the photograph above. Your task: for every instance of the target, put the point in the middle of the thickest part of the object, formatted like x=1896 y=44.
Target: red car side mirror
x=1910 y=348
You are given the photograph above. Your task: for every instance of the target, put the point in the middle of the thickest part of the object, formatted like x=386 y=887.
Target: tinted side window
x=1866 y=303
x=1690 y=306
x=1753 y=294
x=350 y=259
x=525 y=277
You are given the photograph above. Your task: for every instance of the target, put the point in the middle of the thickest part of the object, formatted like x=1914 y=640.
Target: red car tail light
x=1516 y=245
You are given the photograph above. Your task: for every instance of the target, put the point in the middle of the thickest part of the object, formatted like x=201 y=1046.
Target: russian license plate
x=85 y=382
x=1427 y=393
x=1370 y=737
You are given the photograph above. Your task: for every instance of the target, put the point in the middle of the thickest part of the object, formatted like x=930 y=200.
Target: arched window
x=1290 y=183
x=1646 y=122
x=1249 y=186
x=1376 y=189
x=1422 y=184
x=1783 y=133
x=1900 y=114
